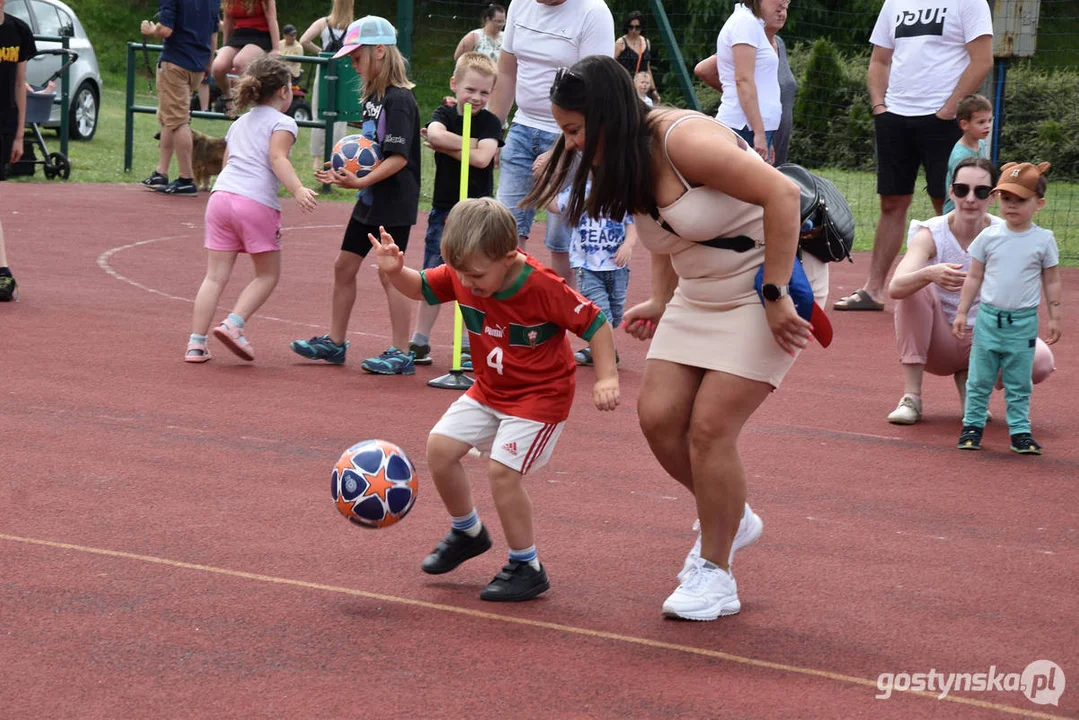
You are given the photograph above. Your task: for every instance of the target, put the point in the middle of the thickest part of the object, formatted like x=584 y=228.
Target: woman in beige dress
x=717 y=352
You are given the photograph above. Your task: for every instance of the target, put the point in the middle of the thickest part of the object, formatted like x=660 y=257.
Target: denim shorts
x=515 y=181
x=432 y=241
x=747 y=135
x=607 y=289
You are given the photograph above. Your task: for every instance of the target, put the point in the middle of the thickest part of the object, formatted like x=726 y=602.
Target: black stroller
x=38 y=109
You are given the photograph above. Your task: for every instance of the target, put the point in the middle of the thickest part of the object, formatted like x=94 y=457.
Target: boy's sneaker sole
x=454 y=549
x=516 y=582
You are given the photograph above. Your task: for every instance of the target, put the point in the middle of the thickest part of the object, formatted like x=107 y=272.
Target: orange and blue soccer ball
x=356 y=154
x=374 y=484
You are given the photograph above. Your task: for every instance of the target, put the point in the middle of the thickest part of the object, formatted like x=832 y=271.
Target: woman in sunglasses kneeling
x=927 y=285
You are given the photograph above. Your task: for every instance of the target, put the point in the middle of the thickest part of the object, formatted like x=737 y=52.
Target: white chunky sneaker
x=749 y=531
x=705 y=594
x=907 y=412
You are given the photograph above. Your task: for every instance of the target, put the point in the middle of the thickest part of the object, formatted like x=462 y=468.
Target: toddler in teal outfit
x=1009 y=266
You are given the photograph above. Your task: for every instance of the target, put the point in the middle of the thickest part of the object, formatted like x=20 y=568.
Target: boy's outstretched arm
x=605 y=391
x=391 y=262
x=1051 y=283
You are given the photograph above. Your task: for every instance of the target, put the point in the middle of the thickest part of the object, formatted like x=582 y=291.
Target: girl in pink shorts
x=243 y=214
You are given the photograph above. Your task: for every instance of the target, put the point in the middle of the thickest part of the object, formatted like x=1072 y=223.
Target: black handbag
x=827 y=221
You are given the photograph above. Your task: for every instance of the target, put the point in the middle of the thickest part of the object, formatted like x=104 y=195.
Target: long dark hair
x=602 y=91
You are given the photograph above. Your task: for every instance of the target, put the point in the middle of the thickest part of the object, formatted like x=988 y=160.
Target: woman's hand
x=540 y=163
x=959 y=327
x=605 y=393
x=949 y=276
x=341 y=177
x=791 y=332
x=641 y=320
x=389 y=256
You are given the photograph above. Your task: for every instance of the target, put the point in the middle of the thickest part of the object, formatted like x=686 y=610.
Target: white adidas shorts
x=519 y=444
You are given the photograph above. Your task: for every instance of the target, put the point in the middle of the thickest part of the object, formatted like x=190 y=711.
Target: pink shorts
x=235 y=223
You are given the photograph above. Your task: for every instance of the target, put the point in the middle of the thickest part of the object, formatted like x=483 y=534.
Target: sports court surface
x=169 y=547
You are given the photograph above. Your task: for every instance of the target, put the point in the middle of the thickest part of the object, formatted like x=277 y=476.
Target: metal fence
x=1037 y=113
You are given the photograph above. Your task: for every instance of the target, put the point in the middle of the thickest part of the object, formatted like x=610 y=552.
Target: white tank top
x=948 y=250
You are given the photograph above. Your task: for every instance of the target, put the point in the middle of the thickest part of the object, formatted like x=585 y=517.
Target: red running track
x=169 y=547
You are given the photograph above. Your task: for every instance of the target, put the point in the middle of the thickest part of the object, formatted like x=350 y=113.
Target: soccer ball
x=356 y=154
x=374 y=484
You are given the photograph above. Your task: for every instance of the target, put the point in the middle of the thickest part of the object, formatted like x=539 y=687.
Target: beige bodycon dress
x=715 y=320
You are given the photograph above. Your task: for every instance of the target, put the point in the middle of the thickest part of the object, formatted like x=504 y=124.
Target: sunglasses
x=562 y=75
x=961 y=190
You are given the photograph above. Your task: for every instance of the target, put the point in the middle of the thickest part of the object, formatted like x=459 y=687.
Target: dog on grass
x=207 y=157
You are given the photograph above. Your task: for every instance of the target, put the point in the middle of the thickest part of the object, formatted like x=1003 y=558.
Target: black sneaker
x=1024 y=444
x=179 y=186
x=970 y=438
x=454 y=549
x=9 y=289
x=156 y=180
x=518 y=581
x=422 y=354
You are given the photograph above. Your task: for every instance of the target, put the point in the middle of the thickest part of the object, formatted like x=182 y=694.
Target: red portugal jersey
x=523 y=363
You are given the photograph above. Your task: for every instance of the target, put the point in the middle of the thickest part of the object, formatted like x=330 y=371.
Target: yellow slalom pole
x=466 y=137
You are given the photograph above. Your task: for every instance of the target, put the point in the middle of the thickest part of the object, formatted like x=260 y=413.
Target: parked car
x=53 y=18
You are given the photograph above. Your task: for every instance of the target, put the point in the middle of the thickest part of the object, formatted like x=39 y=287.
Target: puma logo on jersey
x=511 y=448
x=495 y=331
x=577 y=310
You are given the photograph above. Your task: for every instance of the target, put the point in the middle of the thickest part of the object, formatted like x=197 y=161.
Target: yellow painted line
x=557 y=627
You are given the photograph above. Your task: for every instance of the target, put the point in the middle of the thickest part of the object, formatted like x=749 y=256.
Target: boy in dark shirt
x=16 y=48
x=472 y=82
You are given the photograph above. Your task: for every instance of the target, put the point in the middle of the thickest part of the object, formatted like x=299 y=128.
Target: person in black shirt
x=472 y=82
x=16 y=48
x=389 y=194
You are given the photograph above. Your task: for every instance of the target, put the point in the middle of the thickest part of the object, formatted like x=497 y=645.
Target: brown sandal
x=858 y=300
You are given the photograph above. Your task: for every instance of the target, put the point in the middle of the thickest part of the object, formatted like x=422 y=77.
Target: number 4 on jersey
x=494 y=360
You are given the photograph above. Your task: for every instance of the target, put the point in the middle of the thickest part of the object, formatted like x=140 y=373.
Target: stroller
x=38 y=109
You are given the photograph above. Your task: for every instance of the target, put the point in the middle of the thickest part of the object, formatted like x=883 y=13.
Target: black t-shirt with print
x=16 y=46
x=481 y=181
x=394 y=123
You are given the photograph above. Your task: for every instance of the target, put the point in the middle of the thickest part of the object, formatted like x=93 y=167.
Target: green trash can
x=346 y=97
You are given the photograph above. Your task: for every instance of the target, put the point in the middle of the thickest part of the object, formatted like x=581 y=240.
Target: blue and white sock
x=468 y=524
x=236 y=320
x=196 y=338
x=527 y=555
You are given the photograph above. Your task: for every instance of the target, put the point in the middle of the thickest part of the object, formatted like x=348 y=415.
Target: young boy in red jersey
x=516 y=312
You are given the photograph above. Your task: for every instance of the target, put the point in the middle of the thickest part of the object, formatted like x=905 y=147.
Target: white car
x=53 y=18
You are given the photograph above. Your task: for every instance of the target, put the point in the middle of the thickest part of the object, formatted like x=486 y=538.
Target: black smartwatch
x=773 y=292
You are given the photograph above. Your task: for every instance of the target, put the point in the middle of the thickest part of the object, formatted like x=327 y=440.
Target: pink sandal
x=197 y=352
x=233 y=338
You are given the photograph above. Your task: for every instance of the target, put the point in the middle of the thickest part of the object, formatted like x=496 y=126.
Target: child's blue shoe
x=321 y=348
x=391 y=362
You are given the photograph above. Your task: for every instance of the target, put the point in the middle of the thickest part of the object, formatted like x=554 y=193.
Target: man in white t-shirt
x=540 y=37
x=927 y=56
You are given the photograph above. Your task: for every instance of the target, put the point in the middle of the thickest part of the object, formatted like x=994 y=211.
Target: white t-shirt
x=745 y=28
x=929 y=43
x=248 y=171
x=595 y=241
x=948 y=250
x=544 y=38
x=1013 y=265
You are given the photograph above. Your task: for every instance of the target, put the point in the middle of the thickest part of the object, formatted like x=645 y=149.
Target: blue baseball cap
x=368 y=30
x=801 y=293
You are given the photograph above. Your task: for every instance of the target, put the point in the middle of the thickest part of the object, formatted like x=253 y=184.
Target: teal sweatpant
x=1004 y=343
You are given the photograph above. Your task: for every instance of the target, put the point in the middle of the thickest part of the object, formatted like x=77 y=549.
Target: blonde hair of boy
x=392 y=73
x=972 y=104
x=477 y=62
x=478 y=227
